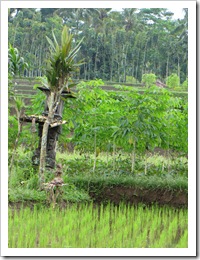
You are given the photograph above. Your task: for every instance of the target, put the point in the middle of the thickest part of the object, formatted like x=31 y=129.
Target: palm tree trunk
x=118 y=70
x=144 y=59
x=137 y=66
x=178 y=69
x=124 y=61
x=112 y=59
x=167 y=66
x=85 y=71
x=95 y=61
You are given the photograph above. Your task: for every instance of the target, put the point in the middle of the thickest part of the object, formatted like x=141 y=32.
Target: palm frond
x=61 y=62
x=51 y=44
x=55 y=40
x=74 y=52
x=64 y=35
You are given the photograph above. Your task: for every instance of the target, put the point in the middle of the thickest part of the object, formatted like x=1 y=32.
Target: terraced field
x=24 y=87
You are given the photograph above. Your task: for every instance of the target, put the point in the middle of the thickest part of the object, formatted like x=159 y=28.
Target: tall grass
x=92 y=226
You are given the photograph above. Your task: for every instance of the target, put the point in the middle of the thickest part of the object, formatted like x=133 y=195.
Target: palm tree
x=59 y=68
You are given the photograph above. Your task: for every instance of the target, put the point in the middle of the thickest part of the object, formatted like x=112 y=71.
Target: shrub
x=173 y=81
x=185 y=84
x=149 y=79
x=130 y=79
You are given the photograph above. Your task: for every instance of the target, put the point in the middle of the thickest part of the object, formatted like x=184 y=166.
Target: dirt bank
x=138 y=195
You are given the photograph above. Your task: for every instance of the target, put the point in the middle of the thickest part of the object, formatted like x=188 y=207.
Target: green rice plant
x=161 y=242
x=126 y=232
x=172 y=231
x=142 y=242
x=153 y=231
x=89 y=225
x=183 y=242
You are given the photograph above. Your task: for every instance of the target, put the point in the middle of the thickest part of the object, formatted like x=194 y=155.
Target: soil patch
x=138 y=195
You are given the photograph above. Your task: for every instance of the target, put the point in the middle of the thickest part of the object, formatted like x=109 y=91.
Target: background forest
x=118 y=46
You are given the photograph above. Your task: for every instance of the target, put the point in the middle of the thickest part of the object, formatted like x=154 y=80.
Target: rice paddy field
x=98 y=226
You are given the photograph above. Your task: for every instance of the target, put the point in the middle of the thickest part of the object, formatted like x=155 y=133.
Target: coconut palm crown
x=62 y=60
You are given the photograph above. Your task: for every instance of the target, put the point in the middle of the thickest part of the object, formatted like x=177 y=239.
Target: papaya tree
x=92 y=97
x=142 y=122
x=58 y=71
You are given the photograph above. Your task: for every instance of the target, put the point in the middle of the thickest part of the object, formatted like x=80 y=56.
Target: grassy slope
x=178 y=183
x=79 y=187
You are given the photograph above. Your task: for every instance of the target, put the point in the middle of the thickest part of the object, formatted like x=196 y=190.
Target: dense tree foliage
x=118 y=46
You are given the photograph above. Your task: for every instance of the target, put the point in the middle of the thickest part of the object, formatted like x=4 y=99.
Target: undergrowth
x=79 y=176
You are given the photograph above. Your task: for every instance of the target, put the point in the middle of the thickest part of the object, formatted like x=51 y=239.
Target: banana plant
x=16 y=63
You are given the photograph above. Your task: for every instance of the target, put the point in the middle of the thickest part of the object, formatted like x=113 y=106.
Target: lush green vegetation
x=126 y=122
x=78 y=173
x=90 y=226
x=24 y=186
x=117 y=120
x=110 y=137
x=117 y=46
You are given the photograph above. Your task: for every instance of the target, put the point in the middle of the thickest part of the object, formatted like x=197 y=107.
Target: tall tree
x=59 y=68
